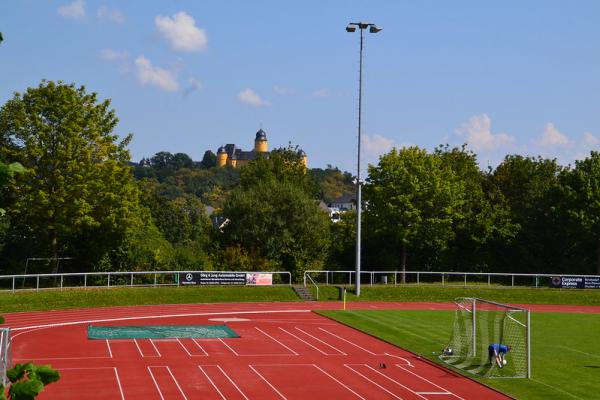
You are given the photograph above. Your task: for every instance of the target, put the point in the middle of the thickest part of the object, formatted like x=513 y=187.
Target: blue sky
x=187 y=76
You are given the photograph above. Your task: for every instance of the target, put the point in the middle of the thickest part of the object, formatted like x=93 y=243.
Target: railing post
x=327 y=277
x=512 y=280
x=61 y=282
x=37 y=283
x=131 y=284
x=13 y=284
x=108 y=281
x=85 y=281
x=443 y=283
x=418 y=280
x=465 y=280
x=304 y=278
x=489 y=280
x=395 y=278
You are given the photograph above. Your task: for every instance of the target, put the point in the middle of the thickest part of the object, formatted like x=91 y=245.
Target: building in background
x=230 y=155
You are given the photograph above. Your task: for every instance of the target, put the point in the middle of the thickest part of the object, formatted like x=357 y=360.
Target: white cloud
x=247 y=96
x=181 y=32
x=114 y=55
x=148 y=74
x=324 y=92
x=106 y=14
x=75 y=10
x=590 y=140
x=552 y=137
x=376 y=144
x=478 y=132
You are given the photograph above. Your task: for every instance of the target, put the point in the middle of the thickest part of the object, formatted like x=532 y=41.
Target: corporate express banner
x=575 y=282
x=225 y=278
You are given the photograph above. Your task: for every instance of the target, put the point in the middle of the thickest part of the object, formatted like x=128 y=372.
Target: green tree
x=77 y=188
x=581 y=187
x=279 y=222
x=413 y=201
x=485 y=215
x=209 y=160
x=531 y=189
x=283 y=165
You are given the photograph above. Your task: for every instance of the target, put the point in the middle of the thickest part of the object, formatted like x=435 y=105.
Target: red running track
x=285 y=352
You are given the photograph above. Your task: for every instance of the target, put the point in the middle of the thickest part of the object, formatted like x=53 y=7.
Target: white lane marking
x=325 y=343
x=272 y=338
x=57 y=324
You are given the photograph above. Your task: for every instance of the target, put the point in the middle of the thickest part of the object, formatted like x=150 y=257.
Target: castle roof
x=261 y=135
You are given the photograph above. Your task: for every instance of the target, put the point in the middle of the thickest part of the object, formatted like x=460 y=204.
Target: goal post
x=5 y=354
x=478 y=323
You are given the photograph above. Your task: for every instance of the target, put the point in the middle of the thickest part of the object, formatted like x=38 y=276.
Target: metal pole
x=474 y=326
x=358 y=184
x=528 y=344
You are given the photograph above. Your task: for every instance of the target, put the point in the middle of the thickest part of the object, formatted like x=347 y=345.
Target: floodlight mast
x=372 y=29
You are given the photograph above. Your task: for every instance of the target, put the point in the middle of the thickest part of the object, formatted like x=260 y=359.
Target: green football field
x=565 y=348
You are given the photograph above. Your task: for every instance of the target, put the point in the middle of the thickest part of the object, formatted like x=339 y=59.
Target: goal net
x=479 y=323
x=5 y=354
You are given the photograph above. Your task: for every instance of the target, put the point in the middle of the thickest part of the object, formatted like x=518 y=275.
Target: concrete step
x=304 y=293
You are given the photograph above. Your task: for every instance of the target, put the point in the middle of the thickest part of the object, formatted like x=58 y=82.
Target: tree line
x=78 y=195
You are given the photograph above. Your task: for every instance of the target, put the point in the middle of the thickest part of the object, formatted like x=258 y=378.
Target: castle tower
x=303 y=157
x=221 y=157
x=260 y=143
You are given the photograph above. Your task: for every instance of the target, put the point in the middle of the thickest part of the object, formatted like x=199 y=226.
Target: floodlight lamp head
x=351 y=28
x=363 y=25
x=374 y=29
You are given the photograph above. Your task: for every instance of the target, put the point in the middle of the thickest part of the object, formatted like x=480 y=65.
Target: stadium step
x=304 y=293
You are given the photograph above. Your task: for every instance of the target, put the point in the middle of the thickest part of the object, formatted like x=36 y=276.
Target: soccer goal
x=479 y=323
x=5 y=354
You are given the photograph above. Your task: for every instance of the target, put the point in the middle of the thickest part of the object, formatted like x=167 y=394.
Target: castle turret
x=260 y=143
x=221 y=157
x=303 y=157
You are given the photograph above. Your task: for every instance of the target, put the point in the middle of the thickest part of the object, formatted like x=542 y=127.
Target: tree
x=412 y=201
x=582 y=196
x=531 y=189
x=485 y=215
x=279 y=222
x=283 y=165
x=77 y=188
x=209 y=160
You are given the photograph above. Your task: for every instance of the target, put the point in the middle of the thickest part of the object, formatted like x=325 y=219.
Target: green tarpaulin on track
x=161 y=332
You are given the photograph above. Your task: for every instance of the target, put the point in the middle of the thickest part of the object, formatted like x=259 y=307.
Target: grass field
x=565 y=355
x=100 y=297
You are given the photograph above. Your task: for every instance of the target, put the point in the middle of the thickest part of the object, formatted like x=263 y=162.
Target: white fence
x=84 y=280
x=444 y=278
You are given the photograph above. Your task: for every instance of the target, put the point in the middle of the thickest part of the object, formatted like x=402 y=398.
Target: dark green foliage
x=274 y=215
x=332 y=182
x=28 y=380
x=530 y=187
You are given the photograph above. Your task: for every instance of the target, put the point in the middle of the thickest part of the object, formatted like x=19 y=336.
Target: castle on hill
x=230 y=155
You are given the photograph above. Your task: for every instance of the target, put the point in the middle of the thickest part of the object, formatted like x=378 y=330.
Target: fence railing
x=112 y=279
x=432 y=277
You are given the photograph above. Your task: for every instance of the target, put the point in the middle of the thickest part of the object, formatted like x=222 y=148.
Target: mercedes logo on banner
x=189 y=277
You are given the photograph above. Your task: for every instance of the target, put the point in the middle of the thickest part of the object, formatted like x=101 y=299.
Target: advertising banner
x=212 y=278
x=224 y=278
x=259 y=279
x=575 y=282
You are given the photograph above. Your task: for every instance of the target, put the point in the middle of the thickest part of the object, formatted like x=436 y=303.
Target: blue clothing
x=498 y=348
